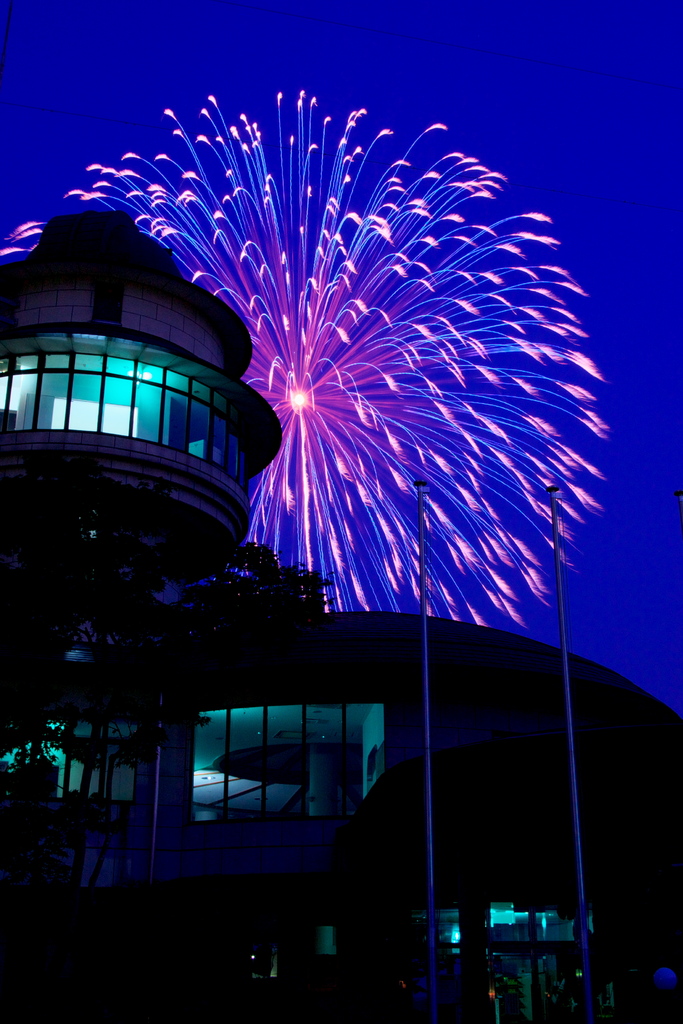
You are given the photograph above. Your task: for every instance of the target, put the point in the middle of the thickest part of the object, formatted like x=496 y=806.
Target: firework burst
x=395 y=334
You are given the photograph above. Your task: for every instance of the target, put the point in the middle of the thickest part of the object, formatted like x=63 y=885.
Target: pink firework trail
x=395 y=334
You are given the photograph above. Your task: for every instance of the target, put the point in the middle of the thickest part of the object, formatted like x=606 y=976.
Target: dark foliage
x=88 y=561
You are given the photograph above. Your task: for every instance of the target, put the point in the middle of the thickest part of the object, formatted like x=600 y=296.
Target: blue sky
x=599 y=152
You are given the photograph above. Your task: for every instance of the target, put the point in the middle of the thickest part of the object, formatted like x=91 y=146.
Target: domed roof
x=101 y=237
x=359 y=655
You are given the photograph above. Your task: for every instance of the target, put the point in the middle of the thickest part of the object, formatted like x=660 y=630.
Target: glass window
x=204 y=424
x=284 y=761
x=550 y=927
x=324 y=759
x=116 y=413
x=233 y=456
x=52 y=410
x=315 y=760
x=175 y=417
x=147 y=413
x=27 y=362
x=246 y=763
x=153 y=374
x=121 y=367
x=176 y=380
x=85 y=402
x=219 y=435
x=201 y=391
x=364 y=751
x=69 y=771
x=22 y=402
x=198 y=443
x=82 y=361
x=509 y=923
x=208 y=792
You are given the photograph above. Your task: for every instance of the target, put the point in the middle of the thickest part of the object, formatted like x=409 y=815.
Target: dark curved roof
x=381 y=637
x=377 y=655
x=101 y=237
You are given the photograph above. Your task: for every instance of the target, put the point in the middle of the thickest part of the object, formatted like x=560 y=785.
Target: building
x=283 y=838
x=106 y=351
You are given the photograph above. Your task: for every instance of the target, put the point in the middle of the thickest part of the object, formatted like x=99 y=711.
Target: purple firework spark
x=395 y=335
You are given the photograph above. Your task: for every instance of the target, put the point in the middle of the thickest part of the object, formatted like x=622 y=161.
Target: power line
x=273 y=145
x=443 y=42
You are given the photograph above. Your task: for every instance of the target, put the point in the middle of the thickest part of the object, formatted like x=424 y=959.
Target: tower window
x=108 y=303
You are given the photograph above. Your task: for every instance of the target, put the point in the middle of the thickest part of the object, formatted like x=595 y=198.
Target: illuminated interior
x=307 y=760
x=86 y=391
x=533 y=963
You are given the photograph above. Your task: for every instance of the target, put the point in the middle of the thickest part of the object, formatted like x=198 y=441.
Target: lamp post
x=582 y=908
x=432 y=1002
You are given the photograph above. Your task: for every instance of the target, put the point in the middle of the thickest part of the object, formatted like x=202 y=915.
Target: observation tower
x=106 y=351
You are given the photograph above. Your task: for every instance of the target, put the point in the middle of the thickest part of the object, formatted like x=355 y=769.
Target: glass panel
x=233 y=455
x=176 y=380
x=550 y=927
x=283 y=761
x=122 y=367
x=123 y=781
x=449 y=926
x=123 y=777
x=175 y=416
x=509 y=924
x=116 y=413
x=220 y=402
x=208 y=793
x=87 y=362
x=57 y=362
x=364 y=750
x=4 y=365
x=147 y=413
x=3 y=396
x=324 y=759
x=52 y=410
x=85 y=402
x=27 y=362
x=245 y=781
x=154 y=374
x=201 y=391
x=22 y=402
x=198 y=443
x=218 y=446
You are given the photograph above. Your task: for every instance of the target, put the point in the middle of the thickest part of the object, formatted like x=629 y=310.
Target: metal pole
x=582 y=909
x=432 y=1001
x=155 y=803
x=679 y=495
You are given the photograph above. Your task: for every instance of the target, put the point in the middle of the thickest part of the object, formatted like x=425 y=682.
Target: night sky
x=577 y=104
